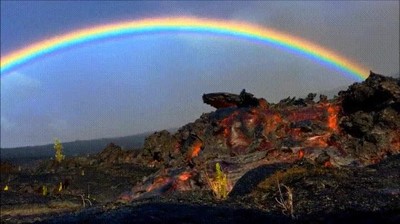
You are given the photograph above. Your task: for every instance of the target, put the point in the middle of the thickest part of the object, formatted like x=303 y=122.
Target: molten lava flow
x=158 y=182
x=184 y=176
x=317 y=141
x=238 y=141
x=251 y=118
x=295 y=133
x=271 y=122
x=196 y=148
x=226 y=124
x=301 y=154
x=333 y=117
x=328 y=164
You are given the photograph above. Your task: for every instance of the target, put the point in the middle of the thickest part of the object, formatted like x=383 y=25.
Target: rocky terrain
x=296 y=161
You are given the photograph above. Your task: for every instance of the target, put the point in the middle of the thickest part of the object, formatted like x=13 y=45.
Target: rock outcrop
x=358 y=128
x=223 y=100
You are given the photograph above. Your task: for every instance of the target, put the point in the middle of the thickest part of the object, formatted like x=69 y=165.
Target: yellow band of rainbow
x=186 y=24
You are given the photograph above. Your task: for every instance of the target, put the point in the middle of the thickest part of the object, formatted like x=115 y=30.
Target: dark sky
x=149 y=82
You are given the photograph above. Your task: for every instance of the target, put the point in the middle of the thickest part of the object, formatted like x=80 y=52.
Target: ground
x=320 y=194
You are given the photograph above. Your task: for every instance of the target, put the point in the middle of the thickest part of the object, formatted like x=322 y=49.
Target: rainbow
x=234 y=29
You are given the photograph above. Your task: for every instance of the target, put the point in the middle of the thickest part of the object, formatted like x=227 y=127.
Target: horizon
x=139 y=84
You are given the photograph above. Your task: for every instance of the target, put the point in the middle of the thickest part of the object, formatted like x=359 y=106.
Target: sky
x=142 y=83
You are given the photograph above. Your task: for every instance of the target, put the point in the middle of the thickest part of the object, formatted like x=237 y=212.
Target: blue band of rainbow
x=186 y=24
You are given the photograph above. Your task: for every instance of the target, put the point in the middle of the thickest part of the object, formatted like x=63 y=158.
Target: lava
x=328 y=164
x=333 y=117
x=319 y=141
x=184 y=176
x=328 y=133
x=195 y=149
x=301 y=154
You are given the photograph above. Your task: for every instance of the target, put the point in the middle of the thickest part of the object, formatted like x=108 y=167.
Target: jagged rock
x=159 y=146
x=113 y=154
x=310 y=97
x=371 y=116
x=358 y=128
x=358 y=124
x=388 y=117
x=7 y=167
x=323 y=98
x=323 y=158
x=374 y=94
x=223 y=100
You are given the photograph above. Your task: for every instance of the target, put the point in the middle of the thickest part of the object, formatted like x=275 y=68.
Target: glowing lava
x=333 y=117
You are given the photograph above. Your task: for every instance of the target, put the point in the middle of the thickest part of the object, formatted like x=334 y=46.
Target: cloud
x=6 y=124
x=18 y=86
x=17 y=89
x=19 y=79
x=58 y=125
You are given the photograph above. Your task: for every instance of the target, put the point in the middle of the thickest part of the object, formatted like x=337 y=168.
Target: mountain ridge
x=77 y=147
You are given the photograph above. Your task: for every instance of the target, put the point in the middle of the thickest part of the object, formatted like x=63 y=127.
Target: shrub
x=58 y=147
x=219 y=185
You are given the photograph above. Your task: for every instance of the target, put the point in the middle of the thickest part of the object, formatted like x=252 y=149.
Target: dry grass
x=85 y=200
x=286 y=202
x=283 y=176
x=39 y=209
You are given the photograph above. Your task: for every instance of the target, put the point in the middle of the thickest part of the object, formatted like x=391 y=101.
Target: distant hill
x=76 y=148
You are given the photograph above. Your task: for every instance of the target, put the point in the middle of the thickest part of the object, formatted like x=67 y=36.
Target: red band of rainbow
x=186 y=24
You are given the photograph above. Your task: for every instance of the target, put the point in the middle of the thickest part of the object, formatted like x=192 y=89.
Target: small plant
x=85 y=200
x=219 y=185
x=286 y=204
x=44 y=190
x=60 y=187
x=6 y=188
x=58 y=148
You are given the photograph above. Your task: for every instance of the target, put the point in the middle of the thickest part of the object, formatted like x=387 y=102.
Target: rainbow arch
x=186 y=24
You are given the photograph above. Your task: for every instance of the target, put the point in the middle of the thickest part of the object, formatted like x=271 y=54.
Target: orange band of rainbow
x=186 y=24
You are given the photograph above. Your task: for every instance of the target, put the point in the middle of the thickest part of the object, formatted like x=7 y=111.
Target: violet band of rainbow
x=232 y=29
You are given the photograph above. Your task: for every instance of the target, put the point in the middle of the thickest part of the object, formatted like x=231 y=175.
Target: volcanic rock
x=371 y=117
x=113 y=154
x=223 y=100
x=374 y=94
x=159 y=147
x=7 y=167
x=358 y=128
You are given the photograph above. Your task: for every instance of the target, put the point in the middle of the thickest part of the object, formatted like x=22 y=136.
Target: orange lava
x=271 y=123
x=332 y=117
x=160 y=181
x=301 y=154
x=311 y=113
x=317 y=141
x=263 y=103
x=226 y=123
x=328 y=164
x=184 y=176
x=196 y=148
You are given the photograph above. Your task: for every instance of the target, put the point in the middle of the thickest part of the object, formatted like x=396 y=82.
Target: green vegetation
x=59 y=153
x=44 y=190
x=219 y=185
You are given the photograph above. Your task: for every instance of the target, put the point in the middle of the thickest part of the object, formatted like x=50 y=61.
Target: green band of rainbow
x=186 y=24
